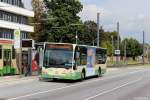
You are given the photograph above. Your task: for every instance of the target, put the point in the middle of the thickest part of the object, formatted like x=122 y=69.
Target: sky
x=133 y=15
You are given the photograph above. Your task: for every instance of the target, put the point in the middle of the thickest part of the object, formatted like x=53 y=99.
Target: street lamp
x=76 y=31
x=125 y=52
x=112 y=37
x=94 y=42
x=143 y=47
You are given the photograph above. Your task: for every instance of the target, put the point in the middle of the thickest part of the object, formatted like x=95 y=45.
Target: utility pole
x=98 y=19
x=93 y=43
x=118 y=39
x=112 y=37
x=143 y=47
x=147 y=54
x=76 y=37
x=125 y=52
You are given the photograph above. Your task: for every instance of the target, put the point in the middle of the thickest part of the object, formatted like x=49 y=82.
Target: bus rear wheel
x=99 y=72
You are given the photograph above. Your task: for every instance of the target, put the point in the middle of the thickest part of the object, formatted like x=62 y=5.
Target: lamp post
x=76 y=31
x=147 y=54
x=112 y=37
x=125 y=52
x=118 y=42
x=98 y=23
x=76 y=37
x=94 y=42
x=143 y=48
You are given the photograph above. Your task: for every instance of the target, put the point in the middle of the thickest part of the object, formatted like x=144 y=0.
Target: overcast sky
x=133 y=15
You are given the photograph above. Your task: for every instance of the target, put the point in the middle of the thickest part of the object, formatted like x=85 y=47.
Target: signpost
x=17 y=39
x=18 y=47
x=117 y=53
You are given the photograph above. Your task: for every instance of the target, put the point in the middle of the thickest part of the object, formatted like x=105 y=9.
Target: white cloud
x=90 y=11
x=27 y=4
x=132 y=14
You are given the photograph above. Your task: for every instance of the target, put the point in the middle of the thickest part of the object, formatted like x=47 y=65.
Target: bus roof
x=72 y=44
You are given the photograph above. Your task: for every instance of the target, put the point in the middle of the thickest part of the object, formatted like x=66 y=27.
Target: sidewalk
x=15 y=77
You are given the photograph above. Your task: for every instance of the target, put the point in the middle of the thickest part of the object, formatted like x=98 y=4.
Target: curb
x=13 y=78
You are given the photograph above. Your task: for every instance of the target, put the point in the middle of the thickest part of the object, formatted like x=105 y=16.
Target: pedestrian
x=27 y=72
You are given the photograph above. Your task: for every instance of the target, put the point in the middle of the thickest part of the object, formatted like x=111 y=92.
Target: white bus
x=72 y=62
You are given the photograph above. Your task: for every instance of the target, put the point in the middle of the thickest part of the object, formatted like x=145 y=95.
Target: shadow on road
x=67 y=81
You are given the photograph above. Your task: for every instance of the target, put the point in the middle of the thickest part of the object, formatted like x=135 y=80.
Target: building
x=13 y=16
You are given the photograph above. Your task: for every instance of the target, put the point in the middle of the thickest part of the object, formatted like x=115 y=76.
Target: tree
x=133 y=47
x=62 y=14
x=88 y=35
x=38 y=35
x=106 y=41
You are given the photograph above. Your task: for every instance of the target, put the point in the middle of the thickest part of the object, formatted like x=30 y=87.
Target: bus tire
x=41 y=79
x=99 y=72
x=82 y=75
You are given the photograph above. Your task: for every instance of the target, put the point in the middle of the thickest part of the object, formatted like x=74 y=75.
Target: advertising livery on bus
x=73 y=62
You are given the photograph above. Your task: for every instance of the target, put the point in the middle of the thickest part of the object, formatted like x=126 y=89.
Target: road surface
x=119 y=84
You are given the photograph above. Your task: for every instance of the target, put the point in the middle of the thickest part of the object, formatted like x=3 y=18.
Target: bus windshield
x=58 y=56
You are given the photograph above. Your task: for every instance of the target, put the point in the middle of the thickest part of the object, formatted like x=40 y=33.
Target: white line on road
x=52 y=90
x=113 y=89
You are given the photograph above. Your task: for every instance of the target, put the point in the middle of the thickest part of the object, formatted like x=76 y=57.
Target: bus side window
x=101 y=56
x=77 y=57
x=83 y=56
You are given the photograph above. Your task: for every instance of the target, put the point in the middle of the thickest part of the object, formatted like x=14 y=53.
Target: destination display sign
x=59 y=46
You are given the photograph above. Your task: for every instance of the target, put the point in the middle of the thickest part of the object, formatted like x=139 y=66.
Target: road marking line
x=42 y=92
x=141 y=98
x=113 y=89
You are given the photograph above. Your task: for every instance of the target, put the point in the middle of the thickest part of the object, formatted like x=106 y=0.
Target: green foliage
x=106 y=41
x=88 y=35
x=133 y=47
x=58 y=21
x=107 y=45
x=61 y=14
x=39 y=35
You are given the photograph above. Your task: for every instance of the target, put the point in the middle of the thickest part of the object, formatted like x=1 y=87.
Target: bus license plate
x=55 y=76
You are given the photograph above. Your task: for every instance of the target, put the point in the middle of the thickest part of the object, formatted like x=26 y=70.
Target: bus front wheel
x=82 y=75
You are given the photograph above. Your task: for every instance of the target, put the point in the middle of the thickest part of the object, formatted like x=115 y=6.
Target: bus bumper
x=69 y=76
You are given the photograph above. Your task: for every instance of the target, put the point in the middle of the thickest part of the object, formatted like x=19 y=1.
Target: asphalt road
x=120 y=84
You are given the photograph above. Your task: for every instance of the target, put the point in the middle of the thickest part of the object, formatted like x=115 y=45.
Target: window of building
x=5 y=33
x=7 y=57
x=0 y=51
x=13 y=2
x=13 y=17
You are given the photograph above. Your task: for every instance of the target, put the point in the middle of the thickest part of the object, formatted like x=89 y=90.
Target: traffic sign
x=117 y=52
x=17 y=39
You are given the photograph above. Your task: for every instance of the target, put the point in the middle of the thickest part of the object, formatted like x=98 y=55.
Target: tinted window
x=100 y=56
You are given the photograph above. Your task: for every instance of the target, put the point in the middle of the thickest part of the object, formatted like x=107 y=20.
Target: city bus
x=72 y=61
